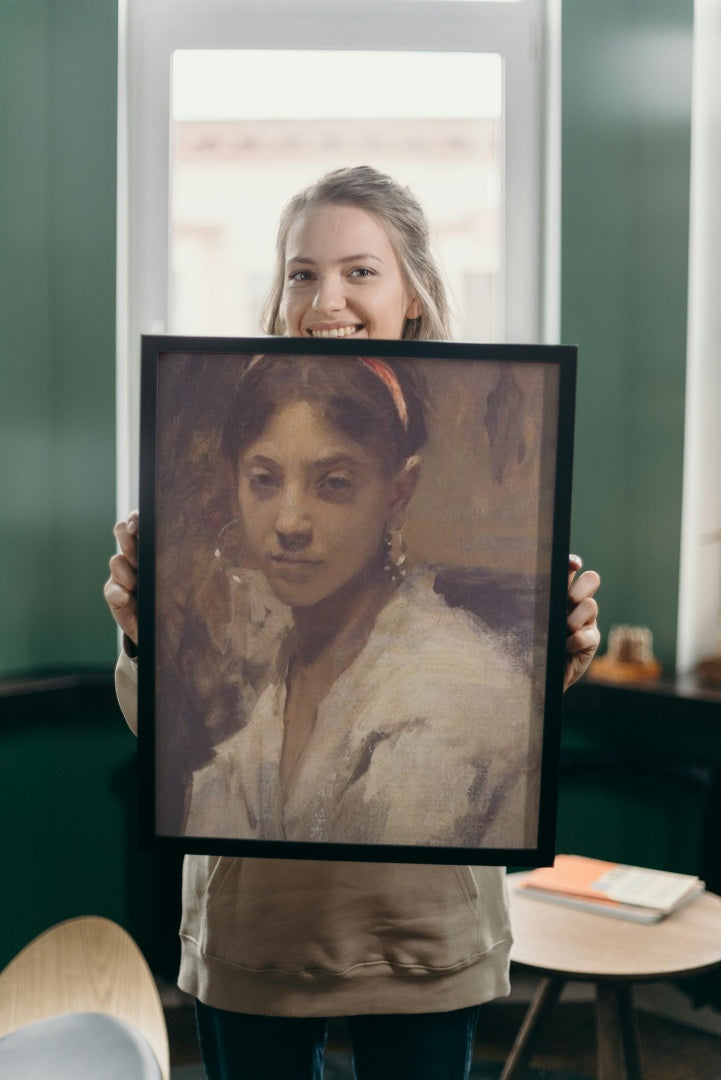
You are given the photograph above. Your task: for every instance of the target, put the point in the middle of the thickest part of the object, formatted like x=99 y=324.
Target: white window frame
x=526 y=34
x=699 y=597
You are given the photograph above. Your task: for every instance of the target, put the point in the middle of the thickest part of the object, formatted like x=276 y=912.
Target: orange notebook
x=631 y=892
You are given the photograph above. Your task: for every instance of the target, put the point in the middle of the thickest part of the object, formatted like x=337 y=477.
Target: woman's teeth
x=336 y=332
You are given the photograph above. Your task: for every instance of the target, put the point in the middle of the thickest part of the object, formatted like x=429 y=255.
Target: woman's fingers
x=123 y=607
x=121 y=587
x=583 y=611
x=575 y=563
x=582 y=633
x=126 y=534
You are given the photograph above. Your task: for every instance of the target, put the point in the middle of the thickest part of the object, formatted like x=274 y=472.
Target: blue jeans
x=416 y=1046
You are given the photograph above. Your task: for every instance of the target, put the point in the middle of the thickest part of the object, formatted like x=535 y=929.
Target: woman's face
x=342 y=277
x=314 y=505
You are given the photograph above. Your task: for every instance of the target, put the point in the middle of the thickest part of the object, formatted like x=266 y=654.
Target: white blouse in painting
x=432 y=736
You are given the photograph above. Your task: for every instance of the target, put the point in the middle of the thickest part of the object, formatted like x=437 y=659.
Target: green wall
x=58 y=72
x=626 y=134
x=66 y=758
x=626 y=145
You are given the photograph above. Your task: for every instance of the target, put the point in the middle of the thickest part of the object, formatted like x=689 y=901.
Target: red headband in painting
x=388 y=376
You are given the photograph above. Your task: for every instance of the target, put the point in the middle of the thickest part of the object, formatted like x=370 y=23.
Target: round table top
x=559 y=940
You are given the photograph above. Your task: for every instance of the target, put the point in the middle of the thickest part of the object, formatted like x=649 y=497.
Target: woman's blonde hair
x=403 y=217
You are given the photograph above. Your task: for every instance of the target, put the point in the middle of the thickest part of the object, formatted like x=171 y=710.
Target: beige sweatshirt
x=300 y=938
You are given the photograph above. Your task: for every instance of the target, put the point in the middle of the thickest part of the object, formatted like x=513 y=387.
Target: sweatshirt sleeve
x=126 y=688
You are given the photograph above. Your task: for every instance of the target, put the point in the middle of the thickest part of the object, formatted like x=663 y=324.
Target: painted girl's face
x=314 y=505
x=342 y=277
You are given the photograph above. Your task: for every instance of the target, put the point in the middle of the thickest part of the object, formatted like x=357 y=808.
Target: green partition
x=626 y=167
x=66 y=763
x=58 y=76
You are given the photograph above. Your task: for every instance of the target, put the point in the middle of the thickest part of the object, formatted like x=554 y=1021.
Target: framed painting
x=352 y=597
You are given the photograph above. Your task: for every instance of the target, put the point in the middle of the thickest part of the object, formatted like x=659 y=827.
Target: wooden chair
x=80 y=975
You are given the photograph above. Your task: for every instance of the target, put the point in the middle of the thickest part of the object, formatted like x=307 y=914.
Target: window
x=227 y=107
x=237 y=156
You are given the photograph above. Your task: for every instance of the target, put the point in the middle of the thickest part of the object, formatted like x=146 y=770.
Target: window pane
x=252 y=127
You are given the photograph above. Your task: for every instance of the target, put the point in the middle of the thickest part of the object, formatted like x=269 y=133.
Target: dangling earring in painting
x=395 y=558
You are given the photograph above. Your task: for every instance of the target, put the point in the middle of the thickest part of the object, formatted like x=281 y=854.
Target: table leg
x=617 y=1033
x=545 y=997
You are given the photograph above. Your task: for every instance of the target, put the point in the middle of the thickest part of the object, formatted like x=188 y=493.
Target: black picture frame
x=490 y=533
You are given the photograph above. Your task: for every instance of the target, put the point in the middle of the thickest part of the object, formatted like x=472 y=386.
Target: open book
x=608 y=888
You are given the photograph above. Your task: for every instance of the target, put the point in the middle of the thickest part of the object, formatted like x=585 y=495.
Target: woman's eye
x=300 y=276
x=362 y=272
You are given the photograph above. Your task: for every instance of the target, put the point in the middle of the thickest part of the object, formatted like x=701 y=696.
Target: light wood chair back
x=87 y=964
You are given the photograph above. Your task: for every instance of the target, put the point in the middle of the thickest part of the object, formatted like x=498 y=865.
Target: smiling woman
x=296 y=941
x=353 y=259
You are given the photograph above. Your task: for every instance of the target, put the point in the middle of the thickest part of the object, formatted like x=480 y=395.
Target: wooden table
x=563 y=944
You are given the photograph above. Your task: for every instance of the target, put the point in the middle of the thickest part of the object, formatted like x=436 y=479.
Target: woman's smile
x=335 y=331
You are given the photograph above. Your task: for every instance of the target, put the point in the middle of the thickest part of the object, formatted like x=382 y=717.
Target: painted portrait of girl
x=383 y=715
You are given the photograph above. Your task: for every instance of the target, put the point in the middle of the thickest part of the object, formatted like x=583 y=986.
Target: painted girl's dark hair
x=353 y=399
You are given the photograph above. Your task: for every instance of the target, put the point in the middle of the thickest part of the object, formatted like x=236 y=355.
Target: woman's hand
x=121 y=587
x=583 y=635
